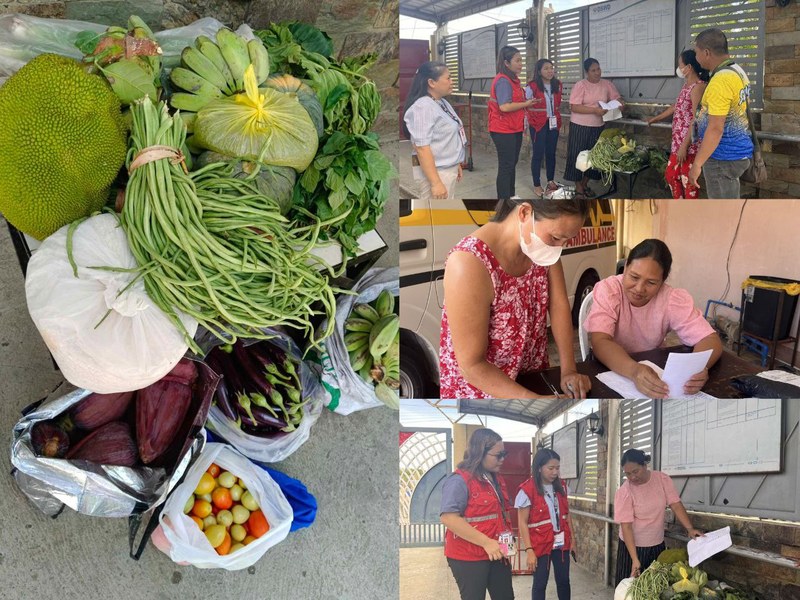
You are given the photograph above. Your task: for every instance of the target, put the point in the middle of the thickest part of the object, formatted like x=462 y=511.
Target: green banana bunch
x=372 y=340
x=211 y=70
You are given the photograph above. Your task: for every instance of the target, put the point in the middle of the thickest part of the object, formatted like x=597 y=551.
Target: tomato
x=240 y=514
x=221 y=497
x=201 y=509
x=198 y=521
x=226 y=479
x=238 y=533
x=225 y=517
x=214 y=470
x=216 y=535
x=187 y=508
x=209 y=521
x=206 y=484
x=248 y=539
x=258 y=523
x=236 y=547
x=236 y=493
x=249 y=501
x=225 y=547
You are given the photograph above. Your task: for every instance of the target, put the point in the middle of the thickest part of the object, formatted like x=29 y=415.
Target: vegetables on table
x=287 y=84
x=244 y=520
x=649 y=585
x=372 y=340
x=685 y=584
x=129 y=59
x=261 y=125
x=614 y=152
x=208 y=245
x=62 y=143
x=346 y=185
x=104 y=330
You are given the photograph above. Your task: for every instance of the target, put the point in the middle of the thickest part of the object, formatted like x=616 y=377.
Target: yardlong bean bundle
x=212 y=246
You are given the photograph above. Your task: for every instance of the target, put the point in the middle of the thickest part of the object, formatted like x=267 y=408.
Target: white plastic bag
x=185 y=543
x=346 y=391
x=135 y=345
x=583 y=163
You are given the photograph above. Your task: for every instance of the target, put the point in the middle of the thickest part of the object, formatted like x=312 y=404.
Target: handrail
x=760 y=555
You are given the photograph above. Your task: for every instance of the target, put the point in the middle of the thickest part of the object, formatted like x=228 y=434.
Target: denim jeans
x=722 y=177
x=544 y=146
x=559 y=559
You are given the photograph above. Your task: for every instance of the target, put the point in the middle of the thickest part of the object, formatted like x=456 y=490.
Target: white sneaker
x=516 y=198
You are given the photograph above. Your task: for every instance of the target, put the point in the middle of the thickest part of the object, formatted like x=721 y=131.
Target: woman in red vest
x=545 y=527
x=507 y=118
x=544 y=121
x=475 y=511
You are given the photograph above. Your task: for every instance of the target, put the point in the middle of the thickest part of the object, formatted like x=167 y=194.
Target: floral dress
x=677 y=176
x=517 y=324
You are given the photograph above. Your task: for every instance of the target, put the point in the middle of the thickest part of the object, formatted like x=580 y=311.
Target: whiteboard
x=565 y=444
x=633 y=38
x=704 y=437
x=479 y=53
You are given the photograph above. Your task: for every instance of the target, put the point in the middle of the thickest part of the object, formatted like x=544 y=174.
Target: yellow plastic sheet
x=793 y=289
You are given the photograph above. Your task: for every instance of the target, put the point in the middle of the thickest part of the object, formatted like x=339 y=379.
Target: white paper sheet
x=707 y=546
x=611 y=105
x=627 y=389
x=782 y=376
x=680 y=367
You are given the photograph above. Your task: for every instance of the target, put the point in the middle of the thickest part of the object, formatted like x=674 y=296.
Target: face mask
x=679 y=73
x=539 y=252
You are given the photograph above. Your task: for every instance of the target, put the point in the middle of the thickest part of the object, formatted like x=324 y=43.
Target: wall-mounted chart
x=565 y=444
x=479 y=53
x=633 y=38
x=703 y=437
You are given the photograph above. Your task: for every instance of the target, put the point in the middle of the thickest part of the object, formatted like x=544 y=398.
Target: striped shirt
x=437 y=125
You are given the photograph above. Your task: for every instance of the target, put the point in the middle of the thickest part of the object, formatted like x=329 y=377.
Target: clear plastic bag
x=272 y=450
x=179 y=537
x=345 y=391
x=102 y=328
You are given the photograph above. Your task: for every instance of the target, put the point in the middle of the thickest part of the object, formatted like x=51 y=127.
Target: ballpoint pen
x=550 y=385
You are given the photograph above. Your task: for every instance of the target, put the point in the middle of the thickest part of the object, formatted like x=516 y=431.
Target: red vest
x=483 y=512
x=537 y=118
x=540 y=527
x=506 y=122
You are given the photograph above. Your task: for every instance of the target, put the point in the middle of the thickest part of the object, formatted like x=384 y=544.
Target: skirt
x=646 y=556
x=580 y=138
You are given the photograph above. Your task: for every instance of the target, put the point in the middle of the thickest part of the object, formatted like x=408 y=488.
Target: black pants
x=645 y=554
x=560 y=561
x=508 y=146
x=544 y=146
x=475 y=577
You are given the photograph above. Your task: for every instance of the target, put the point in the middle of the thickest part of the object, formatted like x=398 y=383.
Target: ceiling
x=442 y=11
x=536 y=412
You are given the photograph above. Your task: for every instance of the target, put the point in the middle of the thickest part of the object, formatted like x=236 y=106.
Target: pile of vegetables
x=616 y=152
x=669 y=578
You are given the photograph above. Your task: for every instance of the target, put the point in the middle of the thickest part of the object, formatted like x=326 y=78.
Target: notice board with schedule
x=634 y=38
x=725 y=436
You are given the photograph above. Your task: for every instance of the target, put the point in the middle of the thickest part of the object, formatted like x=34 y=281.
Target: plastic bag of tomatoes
x=225 y=515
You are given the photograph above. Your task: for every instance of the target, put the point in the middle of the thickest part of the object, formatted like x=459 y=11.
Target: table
x=728 y=366
x=630 y=177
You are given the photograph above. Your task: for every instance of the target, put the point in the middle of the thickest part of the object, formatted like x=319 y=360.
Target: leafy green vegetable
x=130 y=80
x=349 y=181
x=311 y=38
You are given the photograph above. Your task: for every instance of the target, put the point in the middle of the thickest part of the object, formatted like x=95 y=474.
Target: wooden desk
x=728 y=366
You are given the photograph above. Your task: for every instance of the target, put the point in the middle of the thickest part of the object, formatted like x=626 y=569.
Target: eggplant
x=263 y=432
x=250 y=371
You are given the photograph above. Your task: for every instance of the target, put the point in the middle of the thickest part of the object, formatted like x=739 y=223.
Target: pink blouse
x=644 y=505
x=642 y=328
x=517 y=324
x=682 y=118
x=589 y=94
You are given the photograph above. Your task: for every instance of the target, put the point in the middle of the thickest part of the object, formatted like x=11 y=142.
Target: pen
x=550 y=385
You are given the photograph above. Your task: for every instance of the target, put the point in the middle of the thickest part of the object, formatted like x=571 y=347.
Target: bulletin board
x=479 y=53
x=565 y=444
x=720 y=436
x=634 y=38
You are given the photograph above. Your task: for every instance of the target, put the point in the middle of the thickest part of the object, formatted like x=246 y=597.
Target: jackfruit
x=670 y=556
x=62 y=142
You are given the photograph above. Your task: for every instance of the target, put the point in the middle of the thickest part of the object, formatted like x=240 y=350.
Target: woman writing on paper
x=500 y=285
x=474 y=510
x=639 y=509
x=545 y=527
x=633 y=312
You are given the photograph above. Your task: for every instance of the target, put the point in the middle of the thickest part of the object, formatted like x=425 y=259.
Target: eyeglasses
x=500 y=455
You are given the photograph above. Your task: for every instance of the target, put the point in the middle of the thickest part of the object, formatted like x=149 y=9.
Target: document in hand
x=674 y=374
x=613 y=108
x=707 y=546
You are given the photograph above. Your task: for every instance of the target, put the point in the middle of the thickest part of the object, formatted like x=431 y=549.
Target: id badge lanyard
x=508 y=544
x=551 y=111
x=558 y=540
x=461 y=133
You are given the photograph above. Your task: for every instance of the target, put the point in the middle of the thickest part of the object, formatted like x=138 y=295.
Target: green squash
x=288 y=84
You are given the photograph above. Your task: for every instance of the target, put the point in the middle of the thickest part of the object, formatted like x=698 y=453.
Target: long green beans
x=213 y=247
x=649 y=585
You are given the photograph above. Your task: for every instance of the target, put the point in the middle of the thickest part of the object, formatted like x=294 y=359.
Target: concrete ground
x=349 y=464
x=424 y=575
x=480 y=182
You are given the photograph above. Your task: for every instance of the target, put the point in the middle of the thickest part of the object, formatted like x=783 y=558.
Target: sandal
x=552 y=186
x=538 y=195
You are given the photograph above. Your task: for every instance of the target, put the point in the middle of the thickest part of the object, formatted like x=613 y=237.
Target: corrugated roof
x=442 y=11
x=536 y=412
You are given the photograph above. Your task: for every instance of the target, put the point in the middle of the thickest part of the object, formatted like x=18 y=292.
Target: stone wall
x=356 y=27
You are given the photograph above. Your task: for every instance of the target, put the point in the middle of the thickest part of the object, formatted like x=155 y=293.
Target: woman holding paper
x=586 y=121
x=474 y=509
x=639 y=509
x=633 y=312
x=545 y=526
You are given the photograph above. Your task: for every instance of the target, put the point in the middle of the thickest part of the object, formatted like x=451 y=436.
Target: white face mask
x=679 y=73
x=539 y=252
